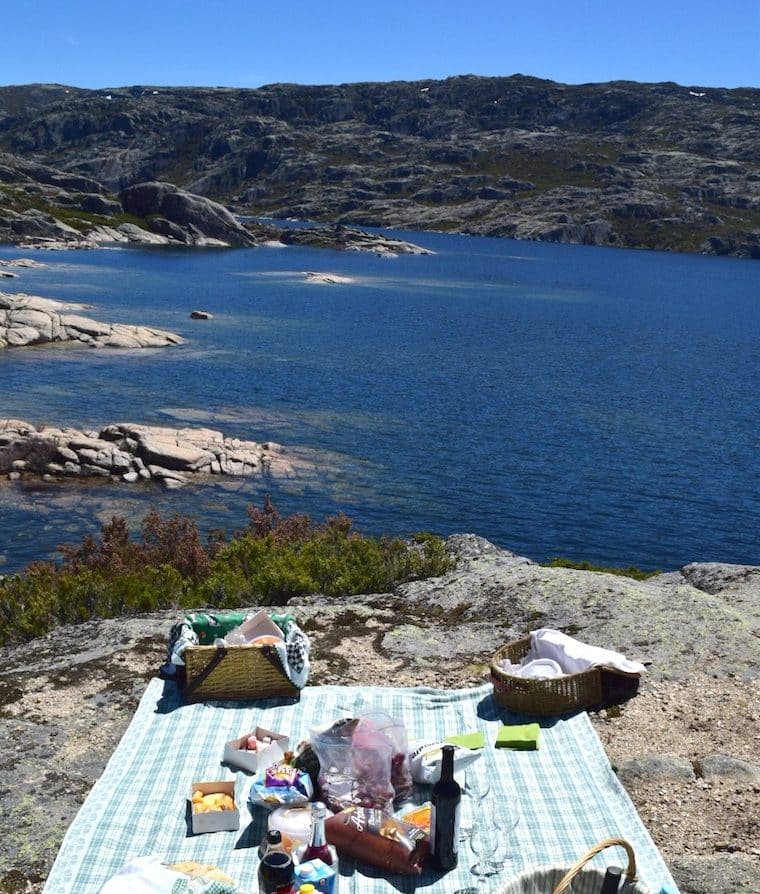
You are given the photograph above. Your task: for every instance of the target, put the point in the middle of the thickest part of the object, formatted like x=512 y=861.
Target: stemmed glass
x=490 y=839
x=487 y=837
x=475 y=789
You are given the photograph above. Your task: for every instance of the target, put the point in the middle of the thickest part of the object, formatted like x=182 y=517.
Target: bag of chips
x=279 y=785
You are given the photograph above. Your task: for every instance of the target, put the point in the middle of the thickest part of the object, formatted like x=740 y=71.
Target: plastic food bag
x=363 y=762
x=378 y=723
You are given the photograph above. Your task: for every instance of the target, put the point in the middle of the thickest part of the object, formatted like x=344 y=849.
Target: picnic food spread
x=193 y=869
x=215 y=801
x=354 y=791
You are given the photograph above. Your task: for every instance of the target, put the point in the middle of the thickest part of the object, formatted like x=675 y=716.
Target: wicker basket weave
x=576 y=879
x=558 y=695
x=235 y=673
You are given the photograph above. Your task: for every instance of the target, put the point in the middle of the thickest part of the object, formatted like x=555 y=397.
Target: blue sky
x=247 y=43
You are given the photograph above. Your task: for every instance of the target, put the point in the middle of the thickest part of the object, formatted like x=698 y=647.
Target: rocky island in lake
x=129 y=452
x=31 y=320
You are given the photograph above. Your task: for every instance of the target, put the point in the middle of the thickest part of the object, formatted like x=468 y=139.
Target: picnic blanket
x=566 y=792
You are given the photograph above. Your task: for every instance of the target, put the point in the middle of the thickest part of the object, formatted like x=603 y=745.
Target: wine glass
x=506 y=818
x=485 y=840
x=491 y=838
x=475 y=789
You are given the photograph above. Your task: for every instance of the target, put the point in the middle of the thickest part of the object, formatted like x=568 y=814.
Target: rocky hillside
x=685 y=747
x=646 y=165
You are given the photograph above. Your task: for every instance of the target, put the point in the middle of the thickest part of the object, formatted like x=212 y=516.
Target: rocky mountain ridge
x=46 y=208
x=627 y=164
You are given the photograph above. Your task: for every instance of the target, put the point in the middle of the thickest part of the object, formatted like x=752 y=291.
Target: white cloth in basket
x=573 y=656
x=542 y=669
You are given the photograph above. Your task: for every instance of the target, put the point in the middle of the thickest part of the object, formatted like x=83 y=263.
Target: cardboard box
x=236 y=754
x=319 y=874
x=259 y=625
x=215 y=820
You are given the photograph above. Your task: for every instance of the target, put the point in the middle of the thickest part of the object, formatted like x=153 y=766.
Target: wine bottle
x=444 y=815
x=611 y=881
x=318 y=848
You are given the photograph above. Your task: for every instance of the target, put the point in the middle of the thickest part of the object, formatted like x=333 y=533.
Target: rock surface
x=67 y=697
x=350 y=239
x=184 y=217
x=158 y=213
x=638 y=165
x=20 y=262
x=130 y=453
x=329 y=279
x=30 y=320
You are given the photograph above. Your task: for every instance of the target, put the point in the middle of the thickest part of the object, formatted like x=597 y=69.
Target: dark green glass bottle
x=444 y=815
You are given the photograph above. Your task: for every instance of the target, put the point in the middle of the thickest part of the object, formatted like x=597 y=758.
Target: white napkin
x=143 y=875
x=149 y=875
x=541 y=669
x=573 y=656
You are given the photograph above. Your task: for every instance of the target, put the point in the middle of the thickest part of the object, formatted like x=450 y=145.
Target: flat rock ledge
x=685 y=748
x=21 y=262
x=30 y=320
x=344 y=239
x=129 y=452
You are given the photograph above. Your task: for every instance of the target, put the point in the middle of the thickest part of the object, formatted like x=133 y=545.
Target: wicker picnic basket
x=578 y=878
x=595 y=687
x=234 y=673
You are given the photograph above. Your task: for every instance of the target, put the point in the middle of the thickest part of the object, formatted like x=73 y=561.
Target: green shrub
x=277 y=559
x=271 y=561
x=45 y=597
x=631 y=571
x=175 y=542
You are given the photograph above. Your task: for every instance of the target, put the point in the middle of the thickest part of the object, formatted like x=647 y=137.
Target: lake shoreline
x=517 y=388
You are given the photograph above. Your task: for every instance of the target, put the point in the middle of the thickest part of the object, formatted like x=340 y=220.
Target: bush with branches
x=271 y=561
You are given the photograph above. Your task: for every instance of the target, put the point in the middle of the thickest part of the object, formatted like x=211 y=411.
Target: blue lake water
x=559 y=400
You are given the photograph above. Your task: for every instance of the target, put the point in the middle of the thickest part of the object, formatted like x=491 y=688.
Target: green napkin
x=210 y=625
x=523 y=736
x=468 y=740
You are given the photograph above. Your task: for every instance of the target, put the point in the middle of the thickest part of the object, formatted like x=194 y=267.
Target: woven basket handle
x=630 y=872
x=220 y=653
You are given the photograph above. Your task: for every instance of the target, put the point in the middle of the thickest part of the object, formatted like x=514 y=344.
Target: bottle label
x=457 y=816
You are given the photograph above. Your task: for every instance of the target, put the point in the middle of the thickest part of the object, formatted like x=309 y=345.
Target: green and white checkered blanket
x=566 y=792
